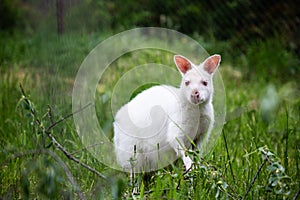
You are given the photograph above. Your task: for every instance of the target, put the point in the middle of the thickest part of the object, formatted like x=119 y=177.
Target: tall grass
x=253 y=159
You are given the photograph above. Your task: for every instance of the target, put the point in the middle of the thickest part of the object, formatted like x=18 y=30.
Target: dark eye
x=187 y=83
x=204 y=83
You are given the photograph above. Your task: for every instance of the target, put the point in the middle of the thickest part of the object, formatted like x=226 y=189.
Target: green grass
x=254 y=153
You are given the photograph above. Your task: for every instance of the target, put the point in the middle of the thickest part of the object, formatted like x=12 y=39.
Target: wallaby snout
x=195 y=96
x=195 y=93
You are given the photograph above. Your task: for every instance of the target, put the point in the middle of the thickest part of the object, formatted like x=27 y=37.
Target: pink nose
x=195 y=94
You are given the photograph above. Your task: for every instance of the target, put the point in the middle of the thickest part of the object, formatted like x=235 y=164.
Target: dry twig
x=47 y=131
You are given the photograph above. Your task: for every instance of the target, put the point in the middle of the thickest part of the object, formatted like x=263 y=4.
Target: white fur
x=157 y=126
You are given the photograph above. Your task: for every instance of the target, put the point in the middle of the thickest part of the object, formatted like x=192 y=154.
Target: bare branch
x=66 y=117
x=69 y=156
x=297 y=194
x=255 y=176
x=87 y=147
x=58 y=145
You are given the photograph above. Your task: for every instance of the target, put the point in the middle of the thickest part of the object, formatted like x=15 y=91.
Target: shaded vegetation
x=256 y=157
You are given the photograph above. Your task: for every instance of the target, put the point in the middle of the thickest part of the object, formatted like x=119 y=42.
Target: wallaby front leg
x=187 y=162
x=180 y=149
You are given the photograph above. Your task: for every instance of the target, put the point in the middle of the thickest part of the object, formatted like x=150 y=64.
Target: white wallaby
x=159 y=124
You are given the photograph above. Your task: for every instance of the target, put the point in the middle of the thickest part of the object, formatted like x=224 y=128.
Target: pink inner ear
x=212 y=63
x=183 y=64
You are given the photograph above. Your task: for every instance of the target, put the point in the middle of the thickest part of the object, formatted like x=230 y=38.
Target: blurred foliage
x=258 y=36
x=270 y=59
x=11 y=15
x=239 y=21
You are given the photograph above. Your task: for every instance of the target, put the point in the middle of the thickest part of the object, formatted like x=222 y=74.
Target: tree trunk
x=60 y=16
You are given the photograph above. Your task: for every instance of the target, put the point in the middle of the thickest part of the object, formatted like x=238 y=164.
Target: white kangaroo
x=159 y=124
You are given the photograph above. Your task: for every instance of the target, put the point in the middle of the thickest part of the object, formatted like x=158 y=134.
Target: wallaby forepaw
x=187 y=163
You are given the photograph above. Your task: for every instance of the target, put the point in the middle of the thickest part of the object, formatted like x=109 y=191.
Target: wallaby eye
x=204 y=83
x=187 y=83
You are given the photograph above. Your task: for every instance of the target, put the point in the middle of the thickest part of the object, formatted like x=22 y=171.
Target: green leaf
x=49 y=145
x=25 y=105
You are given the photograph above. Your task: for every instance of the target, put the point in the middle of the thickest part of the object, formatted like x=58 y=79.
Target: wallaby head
x=197 y=85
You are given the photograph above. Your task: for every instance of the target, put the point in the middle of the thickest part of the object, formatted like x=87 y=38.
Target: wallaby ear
x=211 y=63
x=183 y=64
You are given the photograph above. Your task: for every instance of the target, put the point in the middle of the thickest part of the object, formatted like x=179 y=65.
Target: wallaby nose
x=195 y=93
